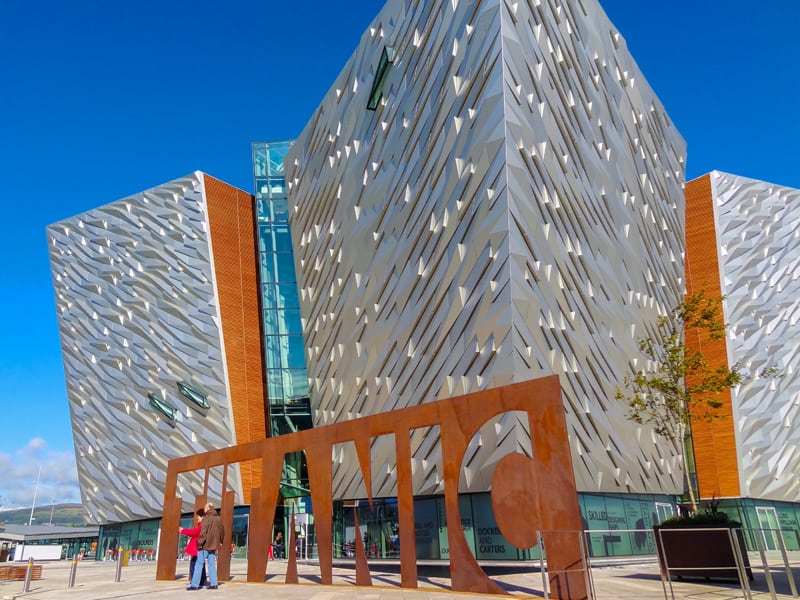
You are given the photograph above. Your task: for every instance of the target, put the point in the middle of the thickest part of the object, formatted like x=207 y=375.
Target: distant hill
x=65 y=515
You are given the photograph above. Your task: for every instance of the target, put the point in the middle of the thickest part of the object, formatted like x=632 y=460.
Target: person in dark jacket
x=191 y=547
x=209 y=542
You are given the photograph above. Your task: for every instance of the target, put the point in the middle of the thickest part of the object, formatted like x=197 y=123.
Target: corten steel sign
x=528 y=495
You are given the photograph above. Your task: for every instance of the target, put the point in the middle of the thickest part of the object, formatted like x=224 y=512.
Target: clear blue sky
x=99 y=100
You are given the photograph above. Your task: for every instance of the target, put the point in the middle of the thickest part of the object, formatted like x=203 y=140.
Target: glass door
x=770 y=528
x=663 y=511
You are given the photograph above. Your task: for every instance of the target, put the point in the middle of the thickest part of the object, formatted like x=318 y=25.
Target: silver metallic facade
x=138 y=314
x=513 y=208
x=758 y=241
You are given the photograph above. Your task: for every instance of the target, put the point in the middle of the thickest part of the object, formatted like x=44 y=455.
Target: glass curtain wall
x=284 y=351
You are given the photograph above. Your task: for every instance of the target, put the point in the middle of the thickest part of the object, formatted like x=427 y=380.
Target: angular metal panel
x=513 y=208
x=758 y=240
x=138 y=313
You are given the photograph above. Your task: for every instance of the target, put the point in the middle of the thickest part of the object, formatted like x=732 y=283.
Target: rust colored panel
x=458 y=418
x=405 y=513
x=257 y=552
x=513 y=475
x=558 y=511
x=465 y=573
x=363 y=441
x=262 y=515
x=318 y=459
x=363 y=578
x=224 y=554
x=232 y=231
x=168 y=541
x=715 y=441
x=291 y=553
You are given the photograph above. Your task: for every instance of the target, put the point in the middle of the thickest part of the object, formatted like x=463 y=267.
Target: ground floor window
x=378 y=529
x=140 y=538
x=774 y=522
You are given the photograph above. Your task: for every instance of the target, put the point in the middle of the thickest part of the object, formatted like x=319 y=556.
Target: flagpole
x=35 y=491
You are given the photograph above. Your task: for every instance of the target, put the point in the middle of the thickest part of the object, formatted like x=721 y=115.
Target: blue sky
x=99 y=100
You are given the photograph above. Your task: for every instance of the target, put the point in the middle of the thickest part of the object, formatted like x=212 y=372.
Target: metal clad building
x=743 y=244
x=157 y=305
x=489 y=192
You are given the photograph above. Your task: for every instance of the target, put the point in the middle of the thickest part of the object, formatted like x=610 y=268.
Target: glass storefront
x=768 y=519
x=71 y=547
x=615 y=525
x=379 y=529
x=619 y=526
x=623 y=525
x=138 y=537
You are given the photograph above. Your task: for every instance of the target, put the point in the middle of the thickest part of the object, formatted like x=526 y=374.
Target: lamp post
x=52 y=508
x=35 y=492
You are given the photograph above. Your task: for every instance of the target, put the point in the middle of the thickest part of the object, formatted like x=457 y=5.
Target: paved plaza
x=97 y=581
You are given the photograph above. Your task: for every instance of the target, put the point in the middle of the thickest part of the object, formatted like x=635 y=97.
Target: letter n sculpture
x=529 y=495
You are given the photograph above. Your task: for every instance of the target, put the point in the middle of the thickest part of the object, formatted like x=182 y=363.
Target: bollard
x=118 y=574
x=28 y=572
x=72 y=570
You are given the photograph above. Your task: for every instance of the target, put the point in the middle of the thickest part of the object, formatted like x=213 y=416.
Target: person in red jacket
x=212 y=536
x=191 y=547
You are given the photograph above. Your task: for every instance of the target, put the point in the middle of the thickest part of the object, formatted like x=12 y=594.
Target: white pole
x=35 y=492
x=52 y=508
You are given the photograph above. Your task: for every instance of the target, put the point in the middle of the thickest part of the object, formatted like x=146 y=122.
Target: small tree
x=681 y=383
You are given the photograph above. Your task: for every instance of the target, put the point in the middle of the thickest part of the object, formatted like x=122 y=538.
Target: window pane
x=283 y=239
x=287 y=295
x=272 y=351
x=296 y=382
x=285 y=265
x=275 y=187
x=268 y=273
x=262 y=209
x=290 y=324
x=270 y=321
x=265 y=243
x=274 y=386
x=268 y=292
x=279 y=209
x=260 y=161
x=296 y=355
x=276 y=156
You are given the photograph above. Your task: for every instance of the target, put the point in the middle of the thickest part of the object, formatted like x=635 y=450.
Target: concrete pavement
x=96 y=581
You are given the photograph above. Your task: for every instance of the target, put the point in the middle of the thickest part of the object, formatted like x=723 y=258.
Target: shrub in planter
x=700 y=546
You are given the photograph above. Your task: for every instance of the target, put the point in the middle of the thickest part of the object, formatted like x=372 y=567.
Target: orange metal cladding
x=714 y=441
x=232 y=229
x=514 y=489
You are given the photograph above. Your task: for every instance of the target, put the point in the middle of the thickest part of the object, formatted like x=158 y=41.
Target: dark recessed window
x=376 y=93
x=167 y=411
x=196 y=397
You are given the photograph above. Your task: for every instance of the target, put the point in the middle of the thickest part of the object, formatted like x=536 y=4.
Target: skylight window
x=197 y=398
x=166 y=410
x=376 y=93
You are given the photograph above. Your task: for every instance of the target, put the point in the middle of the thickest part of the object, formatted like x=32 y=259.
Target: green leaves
x=680 y=381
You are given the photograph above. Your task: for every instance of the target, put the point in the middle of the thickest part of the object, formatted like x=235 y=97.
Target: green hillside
x=65 y=515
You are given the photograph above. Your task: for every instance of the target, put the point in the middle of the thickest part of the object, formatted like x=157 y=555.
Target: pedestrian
x=191 y=547
x=277 y=545
x=209 y=542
